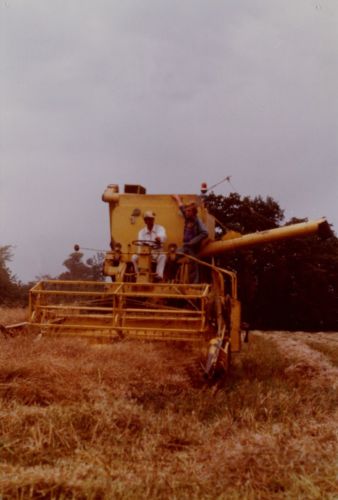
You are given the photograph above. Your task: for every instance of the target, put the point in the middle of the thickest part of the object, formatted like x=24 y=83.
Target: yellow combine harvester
x=135 y=305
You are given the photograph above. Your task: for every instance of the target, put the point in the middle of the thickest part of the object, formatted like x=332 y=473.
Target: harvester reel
x=146 y=243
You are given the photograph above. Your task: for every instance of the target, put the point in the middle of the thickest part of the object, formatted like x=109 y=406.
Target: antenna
x=205 y=189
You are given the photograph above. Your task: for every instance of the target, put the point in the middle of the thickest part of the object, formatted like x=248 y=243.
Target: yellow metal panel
x=235 y=334
x=126 y=217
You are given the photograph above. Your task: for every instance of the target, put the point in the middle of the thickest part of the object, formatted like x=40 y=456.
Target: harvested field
x=9 y=316
x=128 y=421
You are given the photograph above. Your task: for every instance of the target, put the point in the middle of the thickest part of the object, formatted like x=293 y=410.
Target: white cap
x=149 y=215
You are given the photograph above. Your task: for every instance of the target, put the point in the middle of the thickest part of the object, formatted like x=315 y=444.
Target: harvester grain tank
x=133 y=305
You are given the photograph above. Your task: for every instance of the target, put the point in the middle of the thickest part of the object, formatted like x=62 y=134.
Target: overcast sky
x=164 y=93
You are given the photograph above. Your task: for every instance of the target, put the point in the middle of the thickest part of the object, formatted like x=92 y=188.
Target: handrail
x=217 y=269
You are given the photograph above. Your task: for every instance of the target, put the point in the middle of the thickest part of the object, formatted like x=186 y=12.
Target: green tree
x=91 y=270
x=11 y=291
x=245 y=214
x=287 y=285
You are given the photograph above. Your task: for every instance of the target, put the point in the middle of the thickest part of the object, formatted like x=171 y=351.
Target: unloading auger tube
x=220 y=349
x=130 y=305
x=321 y=227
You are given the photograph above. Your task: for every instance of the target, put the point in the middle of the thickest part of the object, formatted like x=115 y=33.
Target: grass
x=329 y=351
x=126 y=421
x=10 y=315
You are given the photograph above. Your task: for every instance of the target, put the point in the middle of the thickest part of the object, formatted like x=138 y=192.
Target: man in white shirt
x=157 y=234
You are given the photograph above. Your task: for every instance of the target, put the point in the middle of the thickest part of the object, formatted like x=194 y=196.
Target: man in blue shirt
x=194 y=233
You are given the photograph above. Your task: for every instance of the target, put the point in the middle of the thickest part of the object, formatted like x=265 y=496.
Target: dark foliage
x=287 y=285
x=12 y=292
x=91 y=270
x=246 y=214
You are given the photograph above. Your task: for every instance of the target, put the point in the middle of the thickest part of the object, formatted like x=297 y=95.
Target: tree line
x=15 y=293
x=290 y=284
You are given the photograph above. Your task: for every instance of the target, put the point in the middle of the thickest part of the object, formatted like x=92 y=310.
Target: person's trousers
x=159 y=258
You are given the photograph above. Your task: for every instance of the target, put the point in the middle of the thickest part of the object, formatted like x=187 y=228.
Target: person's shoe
x=157 y=279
